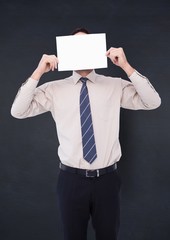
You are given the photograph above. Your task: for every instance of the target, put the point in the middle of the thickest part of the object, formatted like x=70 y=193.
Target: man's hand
x=117 y=56
x=46 y=64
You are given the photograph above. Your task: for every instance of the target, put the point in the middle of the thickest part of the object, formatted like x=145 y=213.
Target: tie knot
x=83 y=79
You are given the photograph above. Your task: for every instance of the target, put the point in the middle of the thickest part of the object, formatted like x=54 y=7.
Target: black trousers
x=80 y=198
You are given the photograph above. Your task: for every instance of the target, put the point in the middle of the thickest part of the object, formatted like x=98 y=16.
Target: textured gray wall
x=28 y=148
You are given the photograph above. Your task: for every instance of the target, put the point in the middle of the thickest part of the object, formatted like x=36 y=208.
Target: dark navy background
x=28 y=148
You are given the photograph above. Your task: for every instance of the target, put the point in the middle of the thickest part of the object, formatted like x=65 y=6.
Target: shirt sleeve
x=31 y=100
x=139 y=93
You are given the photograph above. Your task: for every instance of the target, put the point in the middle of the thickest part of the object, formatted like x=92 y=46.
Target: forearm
x=36 y=75
x=148 y=95
x=22 y=102
x=128 y=69
x=28 y=102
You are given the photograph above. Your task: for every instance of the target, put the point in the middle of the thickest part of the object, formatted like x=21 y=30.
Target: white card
x=80 y=52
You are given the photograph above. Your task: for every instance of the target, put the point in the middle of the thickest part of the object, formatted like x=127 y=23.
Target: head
x=80 y=30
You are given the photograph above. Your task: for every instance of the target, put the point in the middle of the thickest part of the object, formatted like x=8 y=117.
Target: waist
x=88 y=173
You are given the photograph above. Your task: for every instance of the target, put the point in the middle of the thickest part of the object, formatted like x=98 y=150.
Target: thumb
x=108 y=53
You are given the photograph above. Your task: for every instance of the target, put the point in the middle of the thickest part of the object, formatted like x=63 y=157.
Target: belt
x=88 y=173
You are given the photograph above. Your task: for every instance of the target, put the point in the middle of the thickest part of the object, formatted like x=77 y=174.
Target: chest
x=104 y=99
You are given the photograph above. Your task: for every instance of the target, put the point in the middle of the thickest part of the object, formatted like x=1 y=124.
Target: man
x=87 y=187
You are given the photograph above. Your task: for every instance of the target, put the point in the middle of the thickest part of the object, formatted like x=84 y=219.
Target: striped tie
x=88 y=141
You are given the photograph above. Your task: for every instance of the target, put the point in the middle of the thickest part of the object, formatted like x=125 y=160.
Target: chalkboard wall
x=28 y=148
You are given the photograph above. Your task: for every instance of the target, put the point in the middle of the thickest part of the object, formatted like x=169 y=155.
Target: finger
x=53 y=62
x=109 y=51
x=116 y=59
x=53 y=65
x=56 y=63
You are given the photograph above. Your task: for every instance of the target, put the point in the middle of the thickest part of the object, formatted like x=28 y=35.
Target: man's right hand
x=46 y=64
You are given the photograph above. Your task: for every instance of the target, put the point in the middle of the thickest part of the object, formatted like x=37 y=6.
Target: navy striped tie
x=88 y=141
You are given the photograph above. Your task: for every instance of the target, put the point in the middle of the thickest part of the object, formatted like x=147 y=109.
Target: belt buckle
x=92 y=175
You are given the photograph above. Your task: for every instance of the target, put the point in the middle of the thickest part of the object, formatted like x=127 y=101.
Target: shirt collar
x=91 y=76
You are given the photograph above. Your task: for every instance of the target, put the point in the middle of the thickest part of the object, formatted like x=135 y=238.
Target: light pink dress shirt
x=107 y=95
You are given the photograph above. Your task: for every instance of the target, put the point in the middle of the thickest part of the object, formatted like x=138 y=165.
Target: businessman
x=86 y=108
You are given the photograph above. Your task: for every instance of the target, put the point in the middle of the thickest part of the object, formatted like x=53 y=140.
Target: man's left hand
x=117 y=56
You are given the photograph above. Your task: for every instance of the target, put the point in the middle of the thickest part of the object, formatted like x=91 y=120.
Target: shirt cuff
x=30 y=83
x=137 y=78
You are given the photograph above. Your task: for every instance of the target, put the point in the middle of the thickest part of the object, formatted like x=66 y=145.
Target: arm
x=139 y=93
x=31 y=101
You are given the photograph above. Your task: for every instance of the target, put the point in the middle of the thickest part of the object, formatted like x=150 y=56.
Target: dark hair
x=80 y=29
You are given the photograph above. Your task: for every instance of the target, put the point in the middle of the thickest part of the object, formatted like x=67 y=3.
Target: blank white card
x=80 y=52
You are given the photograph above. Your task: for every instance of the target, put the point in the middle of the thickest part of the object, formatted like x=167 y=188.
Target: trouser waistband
x=88 y=173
